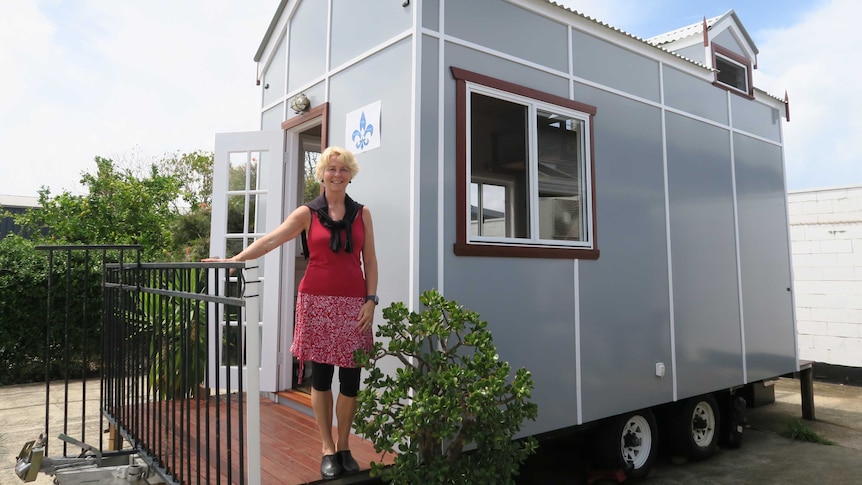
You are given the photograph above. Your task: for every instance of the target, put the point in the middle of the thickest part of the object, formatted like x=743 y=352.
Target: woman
x=336 y=298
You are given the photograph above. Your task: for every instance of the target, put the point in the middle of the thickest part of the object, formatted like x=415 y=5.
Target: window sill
x=517 y=251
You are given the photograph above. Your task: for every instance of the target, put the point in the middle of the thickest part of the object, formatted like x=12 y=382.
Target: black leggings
x=321 y=378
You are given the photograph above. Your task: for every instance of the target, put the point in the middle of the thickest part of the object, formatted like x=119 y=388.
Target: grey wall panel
x=497 y=24
x=605 y=63
x=428 y=165
x=475 y=61
x=271 y=119
x=755 y=118
x=307 y=44
x=274 y=75
x=316 y=95
x=359 y=26
x=430 y=14
x=694 y=52
x=767 y=306
x=624 y=306
x=727 y=40
x=695 y=96
x=532 y=322
x=705 y=289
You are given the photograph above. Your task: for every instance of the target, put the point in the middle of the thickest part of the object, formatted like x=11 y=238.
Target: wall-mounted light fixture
x=300 y=103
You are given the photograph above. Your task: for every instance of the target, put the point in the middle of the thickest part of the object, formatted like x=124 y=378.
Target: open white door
x=248 y=190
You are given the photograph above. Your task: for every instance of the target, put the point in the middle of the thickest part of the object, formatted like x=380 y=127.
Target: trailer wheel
x=629 y=442
x=694 y=427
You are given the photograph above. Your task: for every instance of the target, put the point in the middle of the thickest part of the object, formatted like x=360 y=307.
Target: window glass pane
x=236 y=176
x=489 y=200
x=499 y=168
x=561 y=176
x=731 y=73
x=235 y=213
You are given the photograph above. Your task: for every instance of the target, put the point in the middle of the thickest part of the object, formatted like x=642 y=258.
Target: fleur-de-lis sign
x=362 y=136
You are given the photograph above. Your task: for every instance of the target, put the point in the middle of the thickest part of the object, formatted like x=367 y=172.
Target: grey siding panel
x=501 y=26
x=359 y=26
x=694 y=52
x=428 y=165
x=755 y=118
x=272 y=118
x=624 y=307
x=316 y=95
x=307 y=49
x=695 y=96
x=496 y=67
x=430 y=14
x=532 y=322
x=729 y=42
x=274 y=75
x=763 y=236
x=706 y=299
x=604 y=63
x=383 y=183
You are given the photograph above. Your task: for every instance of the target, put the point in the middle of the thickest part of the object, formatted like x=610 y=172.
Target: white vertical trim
x=252 y=418
x=579 y=401
x=736 y=242
x=415 y=149
x=441 y=149
x=792 y=281
x=670 y=296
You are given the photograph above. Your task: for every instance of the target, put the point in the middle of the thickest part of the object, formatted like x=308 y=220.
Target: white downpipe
x=252 y=326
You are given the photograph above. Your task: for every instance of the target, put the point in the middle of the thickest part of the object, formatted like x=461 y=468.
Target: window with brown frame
x=525 y=172
x=732 y=71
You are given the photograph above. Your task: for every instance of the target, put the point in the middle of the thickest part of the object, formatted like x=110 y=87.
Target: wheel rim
x=636 y=441
x=703 y=424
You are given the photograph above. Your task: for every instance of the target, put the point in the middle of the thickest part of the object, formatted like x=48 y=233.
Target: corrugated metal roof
x=621 y=31
x=697 y=29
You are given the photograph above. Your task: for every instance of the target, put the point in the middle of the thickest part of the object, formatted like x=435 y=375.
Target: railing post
x=252 y=322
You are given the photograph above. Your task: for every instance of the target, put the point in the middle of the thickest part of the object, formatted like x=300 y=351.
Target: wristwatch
x=373 y=298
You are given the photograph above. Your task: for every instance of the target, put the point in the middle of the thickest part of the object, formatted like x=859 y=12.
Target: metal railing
x=178 y=387
x=174 y=365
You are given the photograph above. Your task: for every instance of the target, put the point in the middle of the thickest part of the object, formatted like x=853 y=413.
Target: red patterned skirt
x=325 y=330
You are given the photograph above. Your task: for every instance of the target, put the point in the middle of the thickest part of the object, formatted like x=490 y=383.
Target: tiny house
x=614 y=206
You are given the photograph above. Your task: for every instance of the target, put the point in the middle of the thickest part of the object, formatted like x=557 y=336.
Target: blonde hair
x=343 y=155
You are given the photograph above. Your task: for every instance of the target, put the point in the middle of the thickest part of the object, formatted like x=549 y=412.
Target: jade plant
x=451 y=409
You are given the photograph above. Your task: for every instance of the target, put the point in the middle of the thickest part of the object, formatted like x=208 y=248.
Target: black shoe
x=348 y=464
x=330 y=466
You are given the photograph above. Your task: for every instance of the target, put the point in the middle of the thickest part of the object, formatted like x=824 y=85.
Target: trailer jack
x=32 y=460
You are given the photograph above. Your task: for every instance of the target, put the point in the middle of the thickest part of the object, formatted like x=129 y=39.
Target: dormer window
x=733 y=71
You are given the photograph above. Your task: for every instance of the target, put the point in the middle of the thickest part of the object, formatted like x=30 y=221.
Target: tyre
x=695 y=427
x=629 y=442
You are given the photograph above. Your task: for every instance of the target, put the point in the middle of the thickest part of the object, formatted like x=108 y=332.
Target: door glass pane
x=254 y=163
x=237 y=169
x=561 y=171
x=233 y=247
x=252 y=208
x=235 y=213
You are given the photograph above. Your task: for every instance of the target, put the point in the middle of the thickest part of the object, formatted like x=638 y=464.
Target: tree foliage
x=450 y=391
x=119 y=208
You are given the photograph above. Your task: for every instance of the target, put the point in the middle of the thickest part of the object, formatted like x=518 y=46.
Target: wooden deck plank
x=290 y=443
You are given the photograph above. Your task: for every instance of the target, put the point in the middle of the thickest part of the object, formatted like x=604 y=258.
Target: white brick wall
x=826 y=242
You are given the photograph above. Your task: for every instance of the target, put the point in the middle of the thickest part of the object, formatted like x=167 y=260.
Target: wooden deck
x=290 y=444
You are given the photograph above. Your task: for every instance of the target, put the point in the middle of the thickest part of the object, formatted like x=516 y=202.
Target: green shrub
x=451 y=393
x=25 y=313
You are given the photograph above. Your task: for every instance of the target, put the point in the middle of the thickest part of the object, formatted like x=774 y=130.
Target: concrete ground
x=768 y=458
x=764 y=458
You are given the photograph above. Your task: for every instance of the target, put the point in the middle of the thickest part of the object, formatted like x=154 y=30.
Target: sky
x=136 y=81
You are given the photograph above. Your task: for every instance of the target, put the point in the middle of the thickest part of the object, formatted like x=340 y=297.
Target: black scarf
x=352 y=209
